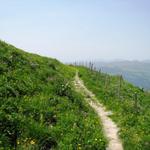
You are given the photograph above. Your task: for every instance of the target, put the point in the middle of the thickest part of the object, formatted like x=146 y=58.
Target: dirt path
x=109 y=127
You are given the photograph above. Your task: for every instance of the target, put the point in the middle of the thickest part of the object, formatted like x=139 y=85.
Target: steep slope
x=109 y=127
x=39 y=108
x=129 y=104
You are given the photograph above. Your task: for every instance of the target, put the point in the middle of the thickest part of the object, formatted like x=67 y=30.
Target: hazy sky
x=78 y=29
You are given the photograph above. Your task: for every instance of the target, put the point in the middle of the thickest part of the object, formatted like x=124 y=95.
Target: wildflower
x=32 y=142
x=79 y=146
x=18 y=142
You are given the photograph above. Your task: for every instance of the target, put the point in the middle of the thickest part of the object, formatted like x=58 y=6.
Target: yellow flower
x=79 y=146
x=32 y=142
x=18 y=142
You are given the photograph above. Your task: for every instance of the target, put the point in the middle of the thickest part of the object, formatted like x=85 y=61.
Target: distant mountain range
x=136 y=72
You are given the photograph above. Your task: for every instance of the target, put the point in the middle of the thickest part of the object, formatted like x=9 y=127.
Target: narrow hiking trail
x=109 y=127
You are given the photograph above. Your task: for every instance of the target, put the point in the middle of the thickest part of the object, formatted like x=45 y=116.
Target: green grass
x=39 y=108
x=131 y=115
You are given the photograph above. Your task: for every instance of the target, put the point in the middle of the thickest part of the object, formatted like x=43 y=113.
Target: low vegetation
x=129 y=104
x=39 y=108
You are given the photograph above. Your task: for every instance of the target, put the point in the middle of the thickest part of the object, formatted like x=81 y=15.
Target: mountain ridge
x=136 y=72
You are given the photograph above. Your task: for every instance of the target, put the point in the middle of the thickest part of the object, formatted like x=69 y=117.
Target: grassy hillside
x=39 y=108
x=135 y=72
x=129 y=104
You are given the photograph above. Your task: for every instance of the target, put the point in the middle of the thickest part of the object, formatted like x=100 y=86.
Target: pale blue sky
x=78 y=29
